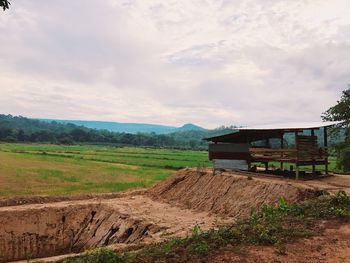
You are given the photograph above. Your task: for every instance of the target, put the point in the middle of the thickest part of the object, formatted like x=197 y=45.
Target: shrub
x=101 y=255
x=344 y=159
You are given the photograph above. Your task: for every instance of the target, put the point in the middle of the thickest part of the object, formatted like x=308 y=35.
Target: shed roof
x=291 y=126
x=249 y=134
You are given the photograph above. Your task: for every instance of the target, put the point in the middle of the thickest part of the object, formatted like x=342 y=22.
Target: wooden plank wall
x=308 y=149
x=229 y=151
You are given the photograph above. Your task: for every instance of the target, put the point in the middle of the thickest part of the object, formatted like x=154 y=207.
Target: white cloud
x=209 y=62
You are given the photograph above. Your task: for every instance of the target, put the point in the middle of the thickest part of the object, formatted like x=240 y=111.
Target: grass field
x=38 y=169
x=42 y=169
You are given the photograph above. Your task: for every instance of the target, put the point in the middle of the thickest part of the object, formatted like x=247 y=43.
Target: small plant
x=280 y=248
x=200 y=246
x=200 y=169
x=196 y=231
x=29 y=256
x=283 y=205
x=254 y=218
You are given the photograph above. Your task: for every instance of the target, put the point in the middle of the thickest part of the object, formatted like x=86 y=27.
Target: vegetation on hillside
x=273 y=225
x=132 y=128
x=21 y=129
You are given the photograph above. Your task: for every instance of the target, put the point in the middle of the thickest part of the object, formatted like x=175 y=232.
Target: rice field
x=41 y=169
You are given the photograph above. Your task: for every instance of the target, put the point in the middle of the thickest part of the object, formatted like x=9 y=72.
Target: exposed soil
x=225 y=194
x=331 y=246
x=48 y=226
x=24 y=200
x=42 y=230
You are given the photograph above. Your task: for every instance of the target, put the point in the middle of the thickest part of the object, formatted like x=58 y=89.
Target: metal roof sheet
x=267 y=131
x=291 y=126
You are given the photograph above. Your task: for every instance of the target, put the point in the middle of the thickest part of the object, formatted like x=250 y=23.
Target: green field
x=39 y=169
x=43 y=169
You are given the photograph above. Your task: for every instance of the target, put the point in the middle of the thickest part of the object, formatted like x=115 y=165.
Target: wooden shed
x=244 y=146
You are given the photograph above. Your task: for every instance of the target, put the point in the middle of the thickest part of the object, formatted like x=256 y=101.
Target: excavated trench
x=171 y=208
x=43 y=232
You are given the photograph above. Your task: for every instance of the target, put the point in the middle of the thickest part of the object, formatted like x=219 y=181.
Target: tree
x=341 y=112
x=4 y=4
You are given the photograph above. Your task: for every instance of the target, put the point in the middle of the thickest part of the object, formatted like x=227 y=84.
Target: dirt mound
x=226 y=194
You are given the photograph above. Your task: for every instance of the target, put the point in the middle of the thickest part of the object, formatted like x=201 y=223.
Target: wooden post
x=282 y=142
x=325 y=143
x=267 y=145
x=214 y=162
x=313 y=164
x=296 y=157
x=297 y=172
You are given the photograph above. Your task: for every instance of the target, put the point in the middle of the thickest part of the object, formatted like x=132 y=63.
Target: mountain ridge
x=128 y=127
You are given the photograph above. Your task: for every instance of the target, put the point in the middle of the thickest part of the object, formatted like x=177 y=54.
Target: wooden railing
x=285 y=155
x=273 y=154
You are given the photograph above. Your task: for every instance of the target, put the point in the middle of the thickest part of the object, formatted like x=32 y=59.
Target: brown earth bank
x=234 y=195
x=24 y=200
x=41 y=230
x=133 y=219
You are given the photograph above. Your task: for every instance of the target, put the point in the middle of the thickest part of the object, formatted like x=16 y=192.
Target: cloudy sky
x=209 y=62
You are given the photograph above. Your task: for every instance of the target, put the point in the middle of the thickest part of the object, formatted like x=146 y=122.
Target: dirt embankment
x=25 y=200
x=60 y=230
x=43 y=230
x=42 y=227
x=225 y=194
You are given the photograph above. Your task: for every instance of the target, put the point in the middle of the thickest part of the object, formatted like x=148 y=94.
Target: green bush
x=343 y=160
x=101 y=255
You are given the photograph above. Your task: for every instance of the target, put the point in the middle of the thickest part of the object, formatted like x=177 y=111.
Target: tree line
x=22 y=129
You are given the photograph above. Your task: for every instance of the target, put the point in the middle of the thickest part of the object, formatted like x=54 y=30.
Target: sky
x=208 y=62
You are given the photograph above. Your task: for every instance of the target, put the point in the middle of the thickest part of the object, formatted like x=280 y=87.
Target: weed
x=196 y=231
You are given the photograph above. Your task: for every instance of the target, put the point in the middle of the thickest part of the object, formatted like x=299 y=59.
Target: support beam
x=313 y=165
x=325 y=143
x=267 y=145
x=282 y=145
x=296 y=171
x=296 y=159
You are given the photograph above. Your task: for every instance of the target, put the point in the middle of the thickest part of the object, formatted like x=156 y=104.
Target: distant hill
x=132 y=128
x=22 y=129
x=190 y=127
